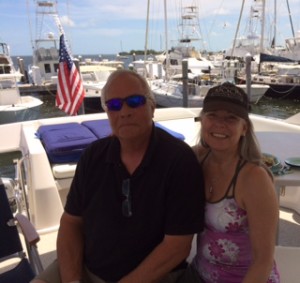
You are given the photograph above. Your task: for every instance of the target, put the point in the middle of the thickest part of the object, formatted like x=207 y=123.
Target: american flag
x=70 y=92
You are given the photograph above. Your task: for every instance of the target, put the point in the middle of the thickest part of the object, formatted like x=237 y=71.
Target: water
x=276 y=108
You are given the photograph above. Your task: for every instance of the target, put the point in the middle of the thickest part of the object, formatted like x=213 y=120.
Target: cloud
x=66 y=21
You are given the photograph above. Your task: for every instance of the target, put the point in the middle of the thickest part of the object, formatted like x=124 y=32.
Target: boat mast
x=290 y=17
x=237 y=29
x=275 y=24
x=263 y=26
x=147 y=31
x=166 y=39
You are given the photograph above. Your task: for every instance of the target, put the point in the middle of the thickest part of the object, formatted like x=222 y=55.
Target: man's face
x=129 y=123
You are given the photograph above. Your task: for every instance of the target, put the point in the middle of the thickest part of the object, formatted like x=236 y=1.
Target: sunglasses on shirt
x=126 y=204
x=133 y=101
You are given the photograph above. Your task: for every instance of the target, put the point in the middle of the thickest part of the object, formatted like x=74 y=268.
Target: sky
x=112 y=26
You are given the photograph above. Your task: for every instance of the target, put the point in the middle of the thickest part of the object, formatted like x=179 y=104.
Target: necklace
x=217 y=172
x=213 y=182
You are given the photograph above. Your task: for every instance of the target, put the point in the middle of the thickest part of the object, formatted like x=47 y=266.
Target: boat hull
x=284 y=91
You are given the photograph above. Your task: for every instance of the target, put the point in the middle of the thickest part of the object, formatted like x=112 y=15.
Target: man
x=136 y=199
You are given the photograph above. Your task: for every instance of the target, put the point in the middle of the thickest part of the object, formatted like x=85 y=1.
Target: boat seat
x=101 y=128
x=287 y=259
x=64 y=144
x=63 y=171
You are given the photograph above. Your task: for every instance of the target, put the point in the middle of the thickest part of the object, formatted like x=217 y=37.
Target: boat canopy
x=273 y=58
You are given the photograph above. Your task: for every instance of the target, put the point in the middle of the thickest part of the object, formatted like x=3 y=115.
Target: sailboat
x=201 y=74
x=275 y=67
x=121 y=56
x=165 y=73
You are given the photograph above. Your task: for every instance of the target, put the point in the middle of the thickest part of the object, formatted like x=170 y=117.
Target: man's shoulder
x=167 y=136
x=99 y=147
x=175 y=150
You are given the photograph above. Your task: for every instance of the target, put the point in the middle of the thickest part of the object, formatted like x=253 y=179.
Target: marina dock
x=30 y=88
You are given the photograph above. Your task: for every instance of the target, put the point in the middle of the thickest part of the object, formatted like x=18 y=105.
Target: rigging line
x=29 y=23
x=213 y=23
x=69 y=30
x=290 y=17
x=237 y=29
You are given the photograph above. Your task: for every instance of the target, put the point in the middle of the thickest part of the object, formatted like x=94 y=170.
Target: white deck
x=47 y=193
x=48 y=184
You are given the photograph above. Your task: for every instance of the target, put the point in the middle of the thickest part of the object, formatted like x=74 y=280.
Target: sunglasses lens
x=114 y=104
x=135 y=101
x=132 y=101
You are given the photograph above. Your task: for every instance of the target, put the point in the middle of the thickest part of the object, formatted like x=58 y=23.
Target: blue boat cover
x=64 y=143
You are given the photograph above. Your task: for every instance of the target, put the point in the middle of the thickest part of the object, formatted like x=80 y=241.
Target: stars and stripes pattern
x=70 y=92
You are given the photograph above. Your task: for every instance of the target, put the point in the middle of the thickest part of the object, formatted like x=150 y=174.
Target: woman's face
x=222 y=130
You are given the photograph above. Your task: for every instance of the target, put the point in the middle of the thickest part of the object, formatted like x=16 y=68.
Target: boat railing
x=21 y=186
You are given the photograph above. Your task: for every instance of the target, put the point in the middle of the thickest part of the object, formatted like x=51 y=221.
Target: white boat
x=46 y=183
x=42 y=186
x=120 y=57
x=165 y=72
x=253 y=41
x=184 y=49
x=273 y=65
x=170 y=93
x=257 y=90
x=292 y=50
x=173 y=93
x=45 y=43
x=95 y=73
x=12 y=103
x=282 y=77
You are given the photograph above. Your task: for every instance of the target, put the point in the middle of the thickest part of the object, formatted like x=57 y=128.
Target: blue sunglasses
x=133 y=101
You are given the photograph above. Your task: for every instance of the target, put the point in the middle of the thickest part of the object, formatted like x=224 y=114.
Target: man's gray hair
x=115 y=75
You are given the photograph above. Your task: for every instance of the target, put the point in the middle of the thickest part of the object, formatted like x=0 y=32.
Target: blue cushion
x=100 y=128
x=65 y=143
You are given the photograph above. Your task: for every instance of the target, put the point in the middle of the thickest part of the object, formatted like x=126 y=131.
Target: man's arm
x=70 y=247
x=166 y=256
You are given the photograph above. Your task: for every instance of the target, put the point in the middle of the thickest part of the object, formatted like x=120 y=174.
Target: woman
x=241 y=204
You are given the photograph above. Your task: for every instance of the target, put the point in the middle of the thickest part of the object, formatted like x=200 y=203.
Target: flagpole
x=81 y=109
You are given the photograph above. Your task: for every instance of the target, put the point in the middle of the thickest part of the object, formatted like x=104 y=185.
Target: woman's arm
x=258 y=198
